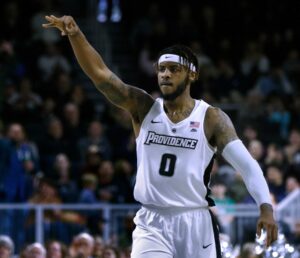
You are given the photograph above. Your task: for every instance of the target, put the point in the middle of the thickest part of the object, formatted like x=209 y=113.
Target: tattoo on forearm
x=114 y=90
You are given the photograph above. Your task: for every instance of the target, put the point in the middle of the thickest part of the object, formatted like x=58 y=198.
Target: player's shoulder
x=214 y=117
x=213 y=114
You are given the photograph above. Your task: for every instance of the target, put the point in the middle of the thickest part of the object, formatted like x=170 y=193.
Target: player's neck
x=182 y=105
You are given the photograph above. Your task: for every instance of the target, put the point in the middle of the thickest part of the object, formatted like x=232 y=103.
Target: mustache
x=166 y=83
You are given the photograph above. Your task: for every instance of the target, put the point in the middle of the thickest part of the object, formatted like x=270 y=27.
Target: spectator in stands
x=98 y=247
x=220 y=196
x=82 y=246
x=291 y=184
x=56 y=249
x=22 y=165
x=84 y=104
x=110 y=252
x=238 y=190
x=274 y=155
x=39 y=34
x=121 y=136
x=62 y=173
x=252 y=112
x=52 y=143
x=11 y=66
x=125 y=237
x=96 y=137
x=254 y=62
x=107 y=188
x=292 y=149
x=26 y=103
x=275 y=180
x=52 y=61
x=291 y=66
x=93 y=159
x=8 y=94
x=35 y=250
x=256 y=150
x=296 y=236
x=48 y=109
x=6 y=247
x=228 y=83
x=274 y=82
x=88 y=193
x=278 y=117
x=248 y=251
x=73 y=130
x=125 y=178
x=47 y=194
x=249 y=133
x=60 y=88
x=4 y=165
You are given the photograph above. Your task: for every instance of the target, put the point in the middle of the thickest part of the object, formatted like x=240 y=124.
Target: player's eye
x=161 y=69
x=174 y=68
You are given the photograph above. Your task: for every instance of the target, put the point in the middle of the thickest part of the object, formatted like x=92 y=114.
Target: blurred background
x=63 y=147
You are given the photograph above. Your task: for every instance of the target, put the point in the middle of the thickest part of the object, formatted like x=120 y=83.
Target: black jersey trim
x=206 y=179
x=216 y=235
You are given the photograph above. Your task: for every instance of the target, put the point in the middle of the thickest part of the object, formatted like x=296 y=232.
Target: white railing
x=244 y=214
x=288 y=210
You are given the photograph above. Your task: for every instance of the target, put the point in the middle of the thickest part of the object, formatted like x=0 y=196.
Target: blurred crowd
x=57 y=147
x=83 y=245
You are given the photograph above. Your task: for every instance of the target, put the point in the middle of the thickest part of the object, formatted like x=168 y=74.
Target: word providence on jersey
x=167 y=140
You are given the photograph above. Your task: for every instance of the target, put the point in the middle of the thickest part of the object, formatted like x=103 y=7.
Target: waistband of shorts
x=173 y=210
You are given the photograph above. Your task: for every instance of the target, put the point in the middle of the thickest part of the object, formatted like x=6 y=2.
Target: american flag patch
x=194 y=124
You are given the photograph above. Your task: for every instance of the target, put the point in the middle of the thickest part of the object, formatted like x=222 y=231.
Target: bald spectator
x=82 y=246
x=35 y=250
x=6 y=247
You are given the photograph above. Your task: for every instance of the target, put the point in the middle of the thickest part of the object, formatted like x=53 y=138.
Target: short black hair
x=189 y=57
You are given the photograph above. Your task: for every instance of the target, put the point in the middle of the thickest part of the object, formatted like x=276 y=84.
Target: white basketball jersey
x=174 y=160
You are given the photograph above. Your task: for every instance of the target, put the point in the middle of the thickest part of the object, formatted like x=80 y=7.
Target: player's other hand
x=65 y=24
x=266 y=221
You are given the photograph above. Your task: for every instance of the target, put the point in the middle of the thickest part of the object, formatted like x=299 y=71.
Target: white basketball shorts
x=173 y=233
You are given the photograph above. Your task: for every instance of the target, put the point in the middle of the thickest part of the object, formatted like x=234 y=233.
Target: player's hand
x=266 y=221
x=65 y=24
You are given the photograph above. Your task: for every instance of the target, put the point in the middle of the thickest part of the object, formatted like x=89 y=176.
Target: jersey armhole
x=146 y=116
x=213 y=149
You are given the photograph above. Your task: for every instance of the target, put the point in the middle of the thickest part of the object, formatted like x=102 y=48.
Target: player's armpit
x=135 y=100
x=218 y=128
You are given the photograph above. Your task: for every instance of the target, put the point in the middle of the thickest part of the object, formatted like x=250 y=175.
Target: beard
x=180 y=89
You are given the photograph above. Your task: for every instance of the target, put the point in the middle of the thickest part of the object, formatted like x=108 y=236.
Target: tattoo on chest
x=180 y=115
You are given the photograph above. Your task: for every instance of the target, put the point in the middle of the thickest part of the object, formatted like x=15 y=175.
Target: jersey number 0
x=167 y=164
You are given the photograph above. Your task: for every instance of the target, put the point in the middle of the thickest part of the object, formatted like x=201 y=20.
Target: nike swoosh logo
x=156 y=122
x=205 y=246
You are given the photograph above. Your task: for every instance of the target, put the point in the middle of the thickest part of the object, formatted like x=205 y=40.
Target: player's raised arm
x=221 y=134
x=133 y=99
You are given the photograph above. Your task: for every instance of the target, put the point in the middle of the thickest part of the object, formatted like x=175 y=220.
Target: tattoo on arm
x=224 y=131
x=130 y=98
x=115 y=90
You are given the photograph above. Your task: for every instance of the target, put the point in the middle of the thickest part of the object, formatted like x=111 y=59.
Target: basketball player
x=177 y=138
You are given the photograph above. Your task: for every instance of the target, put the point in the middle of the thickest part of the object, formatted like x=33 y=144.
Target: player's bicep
x=223 y=130
x=125 y=96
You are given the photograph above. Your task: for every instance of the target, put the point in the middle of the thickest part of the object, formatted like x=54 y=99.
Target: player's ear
x=193 y=76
